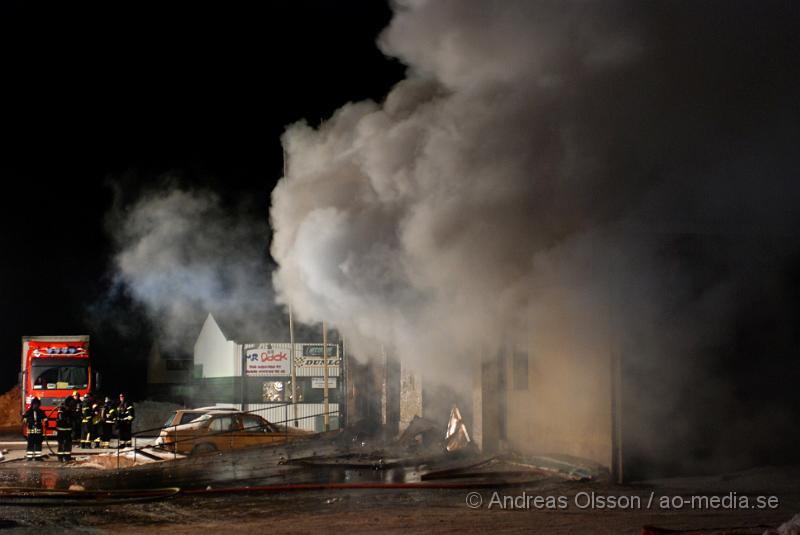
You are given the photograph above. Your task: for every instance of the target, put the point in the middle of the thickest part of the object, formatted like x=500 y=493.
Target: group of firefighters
x=88 y=421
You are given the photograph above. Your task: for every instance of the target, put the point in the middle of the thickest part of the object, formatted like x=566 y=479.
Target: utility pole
x=244 y=376
x=384 y=387
x=325 y=405
x=344 y=369
x=293 y=367
x=291 y=342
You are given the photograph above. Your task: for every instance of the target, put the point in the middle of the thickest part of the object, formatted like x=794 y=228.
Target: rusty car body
x=192 y=432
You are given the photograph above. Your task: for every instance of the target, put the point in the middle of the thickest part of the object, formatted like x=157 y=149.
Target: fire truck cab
x=53 y=367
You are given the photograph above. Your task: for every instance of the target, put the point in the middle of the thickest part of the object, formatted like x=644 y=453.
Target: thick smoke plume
x=582 y=178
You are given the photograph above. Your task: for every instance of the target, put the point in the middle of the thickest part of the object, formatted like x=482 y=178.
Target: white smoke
x=586 y=176
x=182 y=255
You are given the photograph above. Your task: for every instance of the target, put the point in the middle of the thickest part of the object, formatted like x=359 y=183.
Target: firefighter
x=98 y=408
x=64 y=430
x=35 y=419
x=76 y=416
x=107 y=423
x=125 y=416
x=86 y=421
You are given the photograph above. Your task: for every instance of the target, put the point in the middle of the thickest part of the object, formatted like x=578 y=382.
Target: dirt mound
x=10 y=404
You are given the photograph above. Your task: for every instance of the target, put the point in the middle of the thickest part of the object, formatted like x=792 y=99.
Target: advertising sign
x=319 y=382
x=265 y=360
x=311 y=355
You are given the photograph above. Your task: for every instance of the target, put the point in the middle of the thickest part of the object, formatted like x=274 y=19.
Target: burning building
x=573 y=221
x=559 y=215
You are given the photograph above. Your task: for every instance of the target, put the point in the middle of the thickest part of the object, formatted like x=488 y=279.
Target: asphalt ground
x=532 y=508
x=377 y=511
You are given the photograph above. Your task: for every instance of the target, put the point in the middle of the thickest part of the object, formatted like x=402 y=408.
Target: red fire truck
x=53 y=367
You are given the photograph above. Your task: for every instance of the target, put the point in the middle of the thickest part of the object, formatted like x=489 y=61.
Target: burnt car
x=185 y=416
x=208 y=430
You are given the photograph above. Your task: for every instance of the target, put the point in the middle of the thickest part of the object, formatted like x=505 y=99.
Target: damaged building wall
x=487 y=431
x=410 y=396
x=386 y=377
x=358 y=392
x=563 y=407
x=541 y=401
x=384 y=392
x=374 y=392
x=476 y=422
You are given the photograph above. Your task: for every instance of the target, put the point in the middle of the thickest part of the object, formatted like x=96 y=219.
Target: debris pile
x=10 y=404
x=130 y=457
x=456 y=434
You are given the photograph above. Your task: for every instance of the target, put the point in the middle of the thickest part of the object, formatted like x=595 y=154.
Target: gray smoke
x=181 y=255
x=580 y=177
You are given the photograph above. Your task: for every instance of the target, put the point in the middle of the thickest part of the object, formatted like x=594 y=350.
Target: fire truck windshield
x=52 y=374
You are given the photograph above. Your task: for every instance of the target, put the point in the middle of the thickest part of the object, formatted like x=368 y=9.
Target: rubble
x=565 y=466
x=10 y=409
x=16 y=496
x=424 y=455
x=129 y=457
x=456 y=434
x=420 y=433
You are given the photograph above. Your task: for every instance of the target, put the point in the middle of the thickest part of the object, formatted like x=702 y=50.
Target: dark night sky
x=92 y=91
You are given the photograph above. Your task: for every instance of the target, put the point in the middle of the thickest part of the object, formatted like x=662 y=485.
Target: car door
x=181 y=430
x=223 y=431
x=259 y=432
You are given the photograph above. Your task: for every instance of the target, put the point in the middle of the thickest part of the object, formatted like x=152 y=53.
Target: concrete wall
x=410 y=396
x=487 y=413
x=564 y=406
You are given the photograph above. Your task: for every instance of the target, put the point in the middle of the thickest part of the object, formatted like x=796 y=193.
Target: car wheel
x=204 y=448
